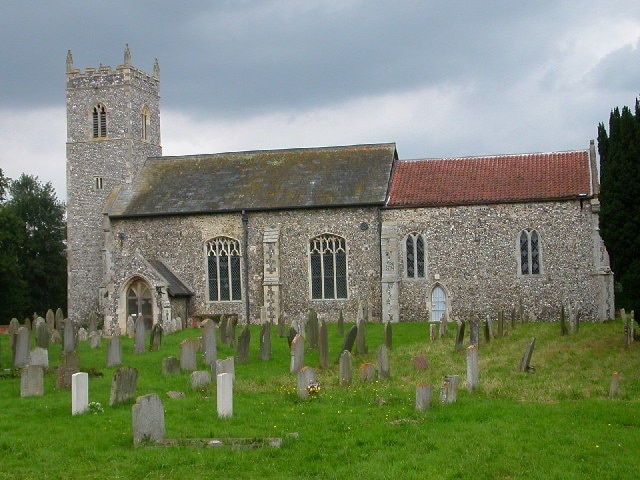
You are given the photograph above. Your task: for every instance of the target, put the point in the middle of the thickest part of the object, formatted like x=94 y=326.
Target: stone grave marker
x=209 y=346
x=31 y=381
x=224 y=324
x=188 y=348
x=130 y=328
x=433 y=332
x=474 y=332
x=449 y=389
x=123 y=385
x=50 y=319
x=281 y=325
x=200 y=379
x=420 y=362
x=525 y=362
x=224 y=390
x=361 y=342
x=43 y=337
x=613 y=386
x=82 y=335
x=79 y=393
x=291 y=335
x=323 y=345
x=156 y=337
x=350 y=339
x=384 y=369
x=367 y=372
x=68 y=336
x=14 y=325
x=297 y=354
x=243 y=345
x=341 y=324
x=21 y=350
x=388 y=335
x=71 y=359
x=424 y=394
x=473 y=369
x=147 y=418
x=139 y=335
x=94 y=340
x=487 y=330
x=226 y=365
x=501 y=324
x=93 y=322
x=58 y=319
x=459 y=336
x=170 y=366
x=64 y=375
x=55 y=337
x=265 y=342
x=232 y=323
x=311 y=329
x=39 y=356
x=444 y=325
x=346 y=367
x=306 y=377
x=114 y=352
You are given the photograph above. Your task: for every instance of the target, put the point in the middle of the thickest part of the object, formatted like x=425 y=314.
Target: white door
x=438 y=303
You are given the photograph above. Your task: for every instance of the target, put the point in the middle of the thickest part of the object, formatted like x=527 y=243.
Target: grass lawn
x=555 y=422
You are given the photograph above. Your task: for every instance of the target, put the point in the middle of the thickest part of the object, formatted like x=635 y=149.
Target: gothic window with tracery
x=328 y=267
x=414 y=249
x=223 y=257
x=529 y=243
x=99 y=121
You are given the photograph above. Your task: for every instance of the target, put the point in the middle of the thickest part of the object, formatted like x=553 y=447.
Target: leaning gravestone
x=32 y=381
x=21 y=351
x=420 y=362
x=297 y=354
x=231 y=331
x=307 y=376
x=459 y=336
x=43 y=336
x=123 y=385
x=188 y=349
x=147 y=416
x=139 y=335
x=79 y=393
x=156 y=337
x=14 y=325
x=346 y=367
x=384 y=371
x=265 y=342
x=114 y=352
x=350 y=339
x=170 y=366
x=292 y=334
x=209 y=347
x=243 y=345
x=526 y=358
x=323 y=345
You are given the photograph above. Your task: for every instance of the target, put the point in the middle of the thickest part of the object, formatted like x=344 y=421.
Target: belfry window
x=145 y=121
x=223 y=257
x=328 y=267
x=99 y=122
x=529 y=246
x=414 y=248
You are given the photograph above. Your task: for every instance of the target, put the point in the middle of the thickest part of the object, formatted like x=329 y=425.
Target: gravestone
x=350 y=339
x=563 y=322
x=311 y=329
x=200 y=379
x=388 y=335
x=341 y=324
x=265 y=342
x=346 y=368
x=444 y=325
x=361 y=342
x=232 y=323
x=323 y=345
x=14 y=325
x=59 y=319
x=170 y=366
x=188 y=349
x=39 y=356
x=474 y=332
x=27 y=323
x=68 y=336
x=281 y=325
x=291 y=335
x=613 y=386
x=114 y=352
x=367 y=372
x=82 y=335
x=130 y=328
x=243 y=345
x=156 y=337
x=526 y=358
x=147 y=418
x=71 y=359
x=420 y=362
x=123 y=385
x=224 y=324
x=139 y=335
x=433 y=332
x=449 y=389
x=94 y=340
x=424 y=394
x=384 y=368
x=32 y=381
x=21 y=350
x=307 y=376
x=473 y=369
x=209 y=346
x=224 y=390
x=226 y=365
x=459 y=336
x=501 y=324
x=297 y=354
x=79 y=393
x=55 y=337
x=64 y=376
x=93 y=322
x=50 y=319
x=43 y=337
x=487 y=330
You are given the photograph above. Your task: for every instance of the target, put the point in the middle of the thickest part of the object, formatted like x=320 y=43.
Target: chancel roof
x=492 y=179
x=259 y=180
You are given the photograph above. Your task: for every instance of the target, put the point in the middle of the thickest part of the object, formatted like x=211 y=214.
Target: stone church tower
x=113 y=125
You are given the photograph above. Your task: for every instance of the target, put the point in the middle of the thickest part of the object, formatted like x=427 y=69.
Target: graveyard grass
x=555 y=422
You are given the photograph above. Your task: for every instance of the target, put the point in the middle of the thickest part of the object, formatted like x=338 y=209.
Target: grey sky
x=439 y=78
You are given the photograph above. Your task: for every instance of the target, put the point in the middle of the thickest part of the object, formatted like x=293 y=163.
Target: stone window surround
x=240 y=279
x=145 y=123
x=405 y=275
x=310 y=276
x=528 y=231
x=98 y=121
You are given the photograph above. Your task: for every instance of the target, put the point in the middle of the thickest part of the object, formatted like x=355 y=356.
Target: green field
x=555 y=422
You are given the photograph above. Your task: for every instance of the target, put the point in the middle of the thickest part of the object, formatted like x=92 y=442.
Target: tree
x=620 y=210
x=34 y=222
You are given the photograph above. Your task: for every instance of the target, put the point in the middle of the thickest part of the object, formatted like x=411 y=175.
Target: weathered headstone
x=147 y=416
x=43 y=336
x=323 y=345
x=563 y=322
x=473 y=369
x=209 y=346
x=367 y=372
x=459 y=336
x=156 y=337
x=388 y=335
x=424 y=394
x=297 y=354
x=130 y=328
x=39 y=356
x=346 y=367
x=31 y=381
x=613 y=386
x=224 y=390
x=50 y=319
x=449 y=389
x=350 y=339
x=200 y=379
x=291 y=335
x=265 y=342
x=123 y=385
x=226 y=365
x=82 y=335
x=501 y=324
x=68 y=336
x=306 y=377
x=341 y=324
x=224 y=324
x=188 y=349
x=433 y=331
x=55 y=337
x=14 y=325
x=474 y=332
x=311 y=329
x=487 y=330
x=79 y=393
x=93 y=322
x=139 y=335
x=420 y=362
x=443 y=325
x=231 y=331
x=526 y=358
x=71 y=359
x=21 y=351
x=361 y=342
x=170 y=366
x=59 y=319
x=114 y=352
x=243 y=345
x=94 y=339
x=64 y=375
x=384 y=368
x=281 y=325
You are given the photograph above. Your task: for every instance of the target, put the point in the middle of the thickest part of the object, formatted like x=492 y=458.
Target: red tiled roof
x=486 y=180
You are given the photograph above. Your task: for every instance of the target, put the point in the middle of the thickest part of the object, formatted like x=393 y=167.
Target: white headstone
x=79 y=393
x=225 y=395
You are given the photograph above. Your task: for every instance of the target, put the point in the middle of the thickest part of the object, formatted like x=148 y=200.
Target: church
x=273 y=233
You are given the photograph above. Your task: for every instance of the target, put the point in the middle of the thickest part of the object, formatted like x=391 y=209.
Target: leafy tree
x=620 y=210
x=32 y=238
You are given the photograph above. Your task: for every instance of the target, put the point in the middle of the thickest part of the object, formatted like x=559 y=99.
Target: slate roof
x=259 y=180
x=176 y=288
x=489 y=180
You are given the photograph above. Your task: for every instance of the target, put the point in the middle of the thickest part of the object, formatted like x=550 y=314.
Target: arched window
x=145 y=122
x=438 y=303
x=223 y=256
x=529 y=243
x=328 y=267
x=99 y=122
x=414 y=246
x=139 y=302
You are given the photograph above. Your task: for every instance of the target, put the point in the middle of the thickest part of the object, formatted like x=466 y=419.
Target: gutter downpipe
x=245 y=262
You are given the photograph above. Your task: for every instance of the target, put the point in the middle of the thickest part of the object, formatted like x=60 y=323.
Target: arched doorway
x=438 y=303
x=139 y=302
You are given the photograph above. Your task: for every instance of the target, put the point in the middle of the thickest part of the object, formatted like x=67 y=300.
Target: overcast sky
x=438 y=78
